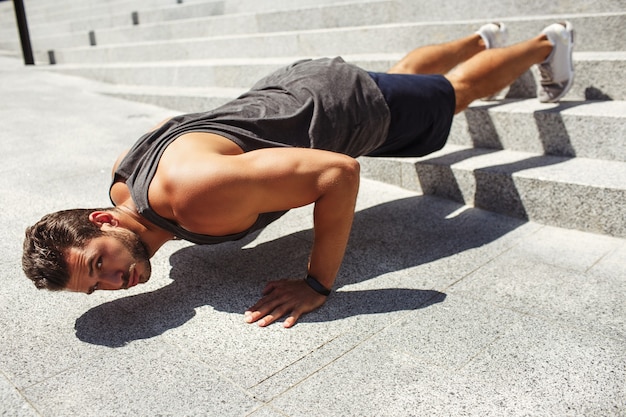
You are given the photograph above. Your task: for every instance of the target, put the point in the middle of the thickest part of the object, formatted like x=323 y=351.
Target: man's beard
x=137 y=250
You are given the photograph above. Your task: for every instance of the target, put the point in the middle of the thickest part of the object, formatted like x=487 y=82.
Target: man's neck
x=150 y=234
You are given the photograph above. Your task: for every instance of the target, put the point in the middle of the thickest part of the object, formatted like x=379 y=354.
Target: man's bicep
x=293 y=177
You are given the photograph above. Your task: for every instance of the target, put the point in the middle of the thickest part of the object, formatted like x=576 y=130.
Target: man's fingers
x=291 y=298
x=266 y=317
x=255 y=314
x=265 y=304
x=273 y=316
x=291 y=320
x=266 y=308
x=267 y=320
x=248 y=317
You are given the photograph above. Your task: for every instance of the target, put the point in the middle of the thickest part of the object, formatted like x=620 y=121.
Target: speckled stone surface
x=440 y=309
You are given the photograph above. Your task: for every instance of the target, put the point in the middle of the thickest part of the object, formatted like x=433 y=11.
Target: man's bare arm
x=333 y=215
x=236 y=188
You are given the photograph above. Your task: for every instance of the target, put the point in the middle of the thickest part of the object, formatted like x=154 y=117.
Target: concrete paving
x=440 y=309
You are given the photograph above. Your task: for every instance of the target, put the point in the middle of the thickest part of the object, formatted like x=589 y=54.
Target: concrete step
x=594 y=80
x=64 y=29
x=319 y=17
x=76 y=11
x=575 y=193
x=191 y=20
x=53 y=10
x=431 y=10
x=246 y=6
x=397 y=37
x=599 y=31
x=424 y=10
x=118 y=18
x=235 y=72
x=596 y=32
x=586 y=129
x=53 y=21
x=183 y=100
x=331 y=16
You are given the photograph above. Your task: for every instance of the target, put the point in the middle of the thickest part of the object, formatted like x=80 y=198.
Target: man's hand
x=285 y=297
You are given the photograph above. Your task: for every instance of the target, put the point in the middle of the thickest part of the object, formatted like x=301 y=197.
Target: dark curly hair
x=47 y=242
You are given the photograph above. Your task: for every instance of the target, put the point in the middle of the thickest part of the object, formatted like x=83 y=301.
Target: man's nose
x=111 y=279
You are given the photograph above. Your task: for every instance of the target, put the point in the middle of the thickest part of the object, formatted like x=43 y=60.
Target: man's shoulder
x=119 y=193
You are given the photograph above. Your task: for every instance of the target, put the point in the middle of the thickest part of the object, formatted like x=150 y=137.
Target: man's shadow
x=229 y=277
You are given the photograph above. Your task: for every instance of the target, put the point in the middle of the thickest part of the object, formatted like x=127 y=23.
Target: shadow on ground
x=385 y=238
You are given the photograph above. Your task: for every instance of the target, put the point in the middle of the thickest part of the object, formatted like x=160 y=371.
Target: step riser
x=184 y=11
x=237 y=76
x=437 y=10
x=563 y=130
x=586 y=208
x=181 y=103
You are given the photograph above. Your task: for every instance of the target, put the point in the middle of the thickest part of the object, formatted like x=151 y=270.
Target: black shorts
x=422 y=108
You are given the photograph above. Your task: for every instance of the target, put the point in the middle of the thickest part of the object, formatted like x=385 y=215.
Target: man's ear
x=100 y=218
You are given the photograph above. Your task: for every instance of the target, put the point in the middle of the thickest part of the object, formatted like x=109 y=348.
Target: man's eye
x=99 y=263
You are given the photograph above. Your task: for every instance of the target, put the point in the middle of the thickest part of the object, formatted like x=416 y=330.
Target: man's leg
x=439 y=59
x=492 y=70
x=478 y=67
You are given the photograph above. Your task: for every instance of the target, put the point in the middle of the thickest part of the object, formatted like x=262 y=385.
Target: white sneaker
x=495 y=36
x=557 y=71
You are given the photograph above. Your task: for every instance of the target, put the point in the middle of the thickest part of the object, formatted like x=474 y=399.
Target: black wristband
x=316 y=286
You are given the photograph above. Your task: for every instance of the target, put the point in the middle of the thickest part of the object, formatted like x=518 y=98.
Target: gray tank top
x=321 y=104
